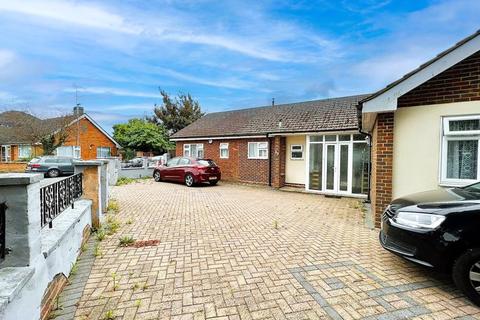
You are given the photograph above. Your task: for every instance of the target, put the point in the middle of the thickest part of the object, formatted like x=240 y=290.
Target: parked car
x=188 y=170
x=134 y=163
x=51 y=166
x=439 y=229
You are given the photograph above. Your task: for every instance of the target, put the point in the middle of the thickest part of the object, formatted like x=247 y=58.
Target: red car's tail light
x=35 y=165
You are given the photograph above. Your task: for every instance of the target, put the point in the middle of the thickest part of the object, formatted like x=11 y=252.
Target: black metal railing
x=56 y=197
x=3 y=248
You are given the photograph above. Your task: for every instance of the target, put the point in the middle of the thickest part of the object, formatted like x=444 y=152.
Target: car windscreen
x=206 y=163
x=473 y=188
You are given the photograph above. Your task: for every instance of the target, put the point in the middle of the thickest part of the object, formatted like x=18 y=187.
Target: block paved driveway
x=242 y=252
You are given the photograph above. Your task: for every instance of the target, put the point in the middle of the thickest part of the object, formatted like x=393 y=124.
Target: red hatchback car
x=188 y=170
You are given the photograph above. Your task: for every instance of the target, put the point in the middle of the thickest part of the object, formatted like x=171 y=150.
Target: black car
x=439 y=229
x=51 y=166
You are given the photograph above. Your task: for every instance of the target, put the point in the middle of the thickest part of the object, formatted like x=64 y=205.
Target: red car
x=188 y=170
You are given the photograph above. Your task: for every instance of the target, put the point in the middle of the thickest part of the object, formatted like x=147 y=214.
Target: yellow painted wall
x=417 y=145
x=295 y=169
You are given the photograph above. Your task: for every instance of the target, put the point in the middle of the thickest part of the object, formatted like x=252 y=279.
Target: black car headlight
x=418 y=220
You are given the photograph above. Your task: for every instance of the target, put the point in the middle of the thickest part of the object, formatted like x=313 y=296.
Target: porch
x=331 y=163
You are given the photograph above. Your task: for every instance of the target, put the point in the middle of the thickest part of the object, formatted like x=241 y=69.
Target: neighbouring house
x=425 y=126
x=314 y=145
x=85 y=138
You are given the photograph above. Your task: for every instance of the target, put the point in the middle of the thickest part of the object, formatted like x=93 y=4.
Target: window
x=24 y=151
x=184 y=162
x=103 y=152
x=224 y=150
x=172 y=162
x=296 y=151
x=193 y=150
x=258 y=150
x=460 y=150
x=68 y=151
x=6 y=153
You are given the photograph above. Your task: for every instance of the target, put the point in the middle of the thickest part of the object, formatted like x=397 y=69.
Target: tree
x=175 y=114
x=142 y=135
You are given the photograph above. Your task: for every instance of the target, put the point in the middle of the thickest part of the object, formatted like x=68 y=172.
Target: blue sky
x=227 y=54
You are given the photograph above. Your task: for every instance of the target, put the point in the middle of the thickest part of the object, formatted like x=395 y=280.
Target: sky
x=112 y=56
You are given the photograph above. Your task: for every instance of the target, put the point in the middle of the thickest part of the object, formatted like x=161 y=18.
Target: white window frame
x=187 y=148
x=102 y=149
x=21 y=149
x=257 y=153
x=224 y=146
x=447 y=136
x=75 y=151
x=292 y=151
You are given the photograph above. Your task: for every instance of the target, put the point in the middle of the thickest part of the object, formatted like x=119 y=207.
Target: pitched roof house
x=425 y=126
x=314 y=144
x=85 y=139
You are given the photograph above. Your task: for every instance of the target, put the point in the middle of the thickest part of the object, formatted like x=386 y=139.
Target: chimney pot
x=78 y=110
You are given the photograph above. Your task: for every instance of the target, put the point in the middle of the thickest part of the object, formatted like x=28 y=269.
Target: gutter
x=360 y=130
x=269 y=160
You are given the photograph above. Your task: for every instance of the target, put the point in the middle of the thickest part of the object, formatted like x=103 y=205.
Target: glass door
x=330 y=167
x=342 y=165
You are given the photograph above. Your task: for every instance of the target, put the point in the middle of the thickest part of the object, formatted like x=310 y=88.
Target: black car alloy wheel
x=156 y=176
x=466 y=274
x=53 y=173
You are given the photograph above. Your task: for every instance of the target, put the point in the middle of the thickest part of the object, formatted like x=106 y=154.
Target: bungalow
x=315 y=145
x=85 y=138
x=425 y=127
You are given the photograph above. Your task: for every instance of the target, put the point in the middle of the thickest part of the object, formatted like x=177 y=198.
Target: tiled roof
x=15 y=126
x=318 y=115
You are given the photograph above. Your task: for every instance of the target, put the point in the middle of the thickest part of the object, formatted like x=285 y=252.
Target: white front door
x=6 y=153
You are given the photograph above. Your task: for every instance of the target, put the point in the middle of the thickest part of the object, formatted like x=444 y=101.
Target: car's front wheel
x=53 y=173
x=466 y=274
x=189 y=180
x=156 y=176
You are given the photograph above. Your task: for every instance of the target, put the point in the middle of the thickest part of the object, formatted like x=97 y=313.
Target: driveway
x=242 y=252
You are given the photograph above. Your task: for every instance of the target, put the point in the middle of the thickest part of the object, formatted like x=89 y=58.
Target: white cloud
x=249 y=41
x=6 y=58
x=113 y=92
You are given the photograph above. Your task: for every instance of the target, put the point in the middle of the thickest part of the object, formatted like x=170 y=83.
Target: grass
x=129 y=221
x=96 y=250
x=126 y=241
x=101 y=234
x=112 y=225
x=123 y=181
x=275 y=224
x=113 y=206
x=74 y=269
x=138 y=303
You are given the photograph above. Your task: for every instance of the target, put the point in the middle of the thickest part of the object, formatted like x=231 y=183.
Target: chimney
x=78 y=110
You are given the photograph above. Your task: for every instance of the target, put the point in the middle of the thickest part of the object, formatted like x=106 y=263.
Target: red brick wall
x=90 y=138
x=460 y=82
x=238 y=167
x=382 y=164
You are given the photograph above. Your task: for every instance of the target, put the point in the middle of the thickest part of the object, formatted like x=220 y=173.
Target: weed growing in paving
x=74 y=268
x=123 y=181
x=129 y=221
x=113 y=206
x=109 y=315
x=138 y=303
x=126 y=241
x=96 y=250
x=114 y=279
x=275 y=224
x=112 y=225
x=84 y=247
x=101 y=235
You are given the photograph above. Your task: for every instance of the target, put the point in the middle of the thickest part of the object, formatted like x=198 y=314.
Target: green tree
x=177 y=113
x=142 y=135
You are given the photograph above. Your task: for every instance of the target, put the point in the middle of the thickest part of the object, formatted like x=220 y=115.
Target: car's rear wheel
x=53 y=173
x=213 y=182
x=466 y=274
x=156 y=176
x=189 y=180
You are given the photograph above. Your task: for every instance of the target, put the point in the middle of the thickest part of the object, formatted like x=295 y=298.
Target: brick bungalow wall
x=382 y=164
x=459 y=83
x=238 y=167
x=90 y=138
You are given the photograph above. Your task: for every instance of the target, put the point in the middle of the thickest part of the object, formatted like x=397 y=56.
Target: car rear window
x=473 y=188
x=206 y=163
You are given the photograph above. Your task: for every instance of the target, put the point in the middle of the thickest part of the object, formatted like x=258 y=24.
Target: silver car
x=51 y=166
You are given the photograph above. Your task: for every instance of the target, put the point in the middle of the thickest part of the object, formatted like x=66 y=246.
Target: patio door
x=336 y=167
